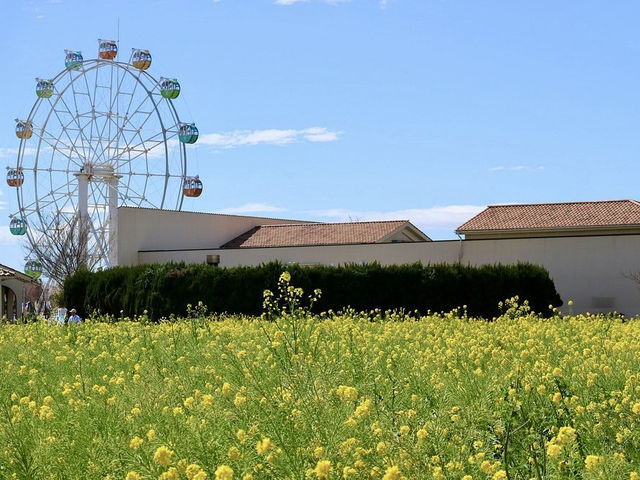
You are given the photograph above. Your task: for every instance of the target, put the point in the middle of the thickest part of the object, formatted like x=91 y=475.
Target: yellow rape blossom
x=323 y=469
x=162 y=456
x=224 y=472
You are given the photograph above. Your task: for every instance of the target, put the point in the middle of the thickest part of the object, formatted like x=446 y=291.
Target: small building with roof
x=12 y=292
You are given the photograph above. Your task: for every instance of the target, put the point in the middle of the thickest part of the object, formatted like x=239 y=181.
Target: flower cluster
x=372 y=395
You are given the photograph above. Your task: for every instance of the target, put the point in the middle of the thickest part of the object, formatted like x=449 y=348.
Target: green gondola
x=33 y=269
x=44 y=88
x=169 y=88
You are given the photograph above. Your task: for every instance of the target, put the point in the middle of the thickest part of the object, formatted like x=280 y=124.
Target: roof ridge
x=333 y=223
x=563 y=203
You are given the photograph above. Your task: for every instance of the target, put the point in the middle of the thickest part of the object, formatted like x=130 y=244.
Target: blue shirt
x=74 y=319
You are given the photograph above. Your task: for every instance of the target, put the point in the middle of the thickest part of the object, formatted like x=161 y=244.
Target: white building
x=591 y=249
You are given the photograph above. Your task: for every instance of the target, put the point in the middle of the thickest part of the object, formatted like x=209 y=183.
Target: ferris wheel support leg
x=113 y=221
x=83 y=208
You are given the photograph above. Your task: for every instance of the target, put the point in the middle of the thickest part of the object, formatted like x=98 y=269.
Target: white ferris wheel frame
x=86 y=151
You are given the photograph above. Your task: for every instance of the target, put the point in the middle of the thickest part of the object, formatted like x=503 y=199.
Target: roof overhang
x=568 y=230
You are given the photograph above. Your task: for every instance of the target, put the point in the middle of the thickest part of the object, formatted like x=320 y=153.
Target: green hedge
x=167 y=289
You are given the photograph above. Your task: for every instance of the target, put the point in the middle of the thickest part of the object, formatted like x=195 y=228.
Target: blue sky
x=366 y=109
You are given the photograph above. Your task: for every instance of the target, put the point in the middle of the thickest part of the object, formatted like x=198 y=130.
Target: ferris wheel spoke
x=53 y=144
x=53 y=141
x=49 y=139
x=64 y=128
x=140 y=148
x=41 y=206
x=125 y=117
x=76 y=118
x=119 y=134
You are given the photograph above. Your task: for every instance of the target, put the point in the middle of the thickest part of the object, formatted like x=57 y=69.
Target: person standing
x=73 y=316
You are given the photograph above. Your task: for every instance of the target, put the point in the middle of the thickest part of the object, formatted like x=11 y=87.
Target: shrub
x=168 y=289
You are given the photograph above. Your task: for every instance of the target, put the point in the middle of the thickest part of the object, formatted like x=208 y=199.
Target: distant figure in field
x=73 y=316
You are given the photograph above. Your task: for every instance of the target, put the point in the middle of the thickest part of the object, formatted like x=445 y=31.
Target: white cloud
x=516 y=168
x=251 y=208
x=270 y=136
x=13 y=152
x=382 y=4
x=293 y=2
x=7 y=238
x=443 y=217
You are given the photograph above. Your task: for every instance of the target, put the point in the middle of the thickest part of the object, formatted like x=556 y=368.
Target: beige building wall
x=592 y=271
x=146 y=228
x=14 y=291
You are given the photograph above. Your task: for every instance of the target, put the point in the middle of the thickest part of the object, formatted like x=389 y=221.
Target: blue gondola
x=73 y=60
x=17 y=226
x=188 y=133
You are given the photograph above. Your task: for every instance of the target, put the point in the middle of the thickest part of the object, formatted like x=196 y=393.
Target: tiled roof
x=306 y=234
x=8 y=272
x=550 y=216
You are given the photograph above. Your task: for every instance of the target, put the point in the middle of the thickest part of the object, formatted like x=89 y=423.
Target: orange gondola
x=192 y=186
x=15 y=177
x=107 y=49
x=141 y=59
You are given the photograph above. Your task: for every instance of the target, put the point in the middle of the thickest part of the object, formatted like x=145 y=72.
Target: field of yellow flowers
x=335 y=396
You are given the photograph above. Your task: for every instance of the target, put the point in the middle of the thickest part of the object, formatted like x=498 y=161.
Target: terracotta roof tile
x=307 y=234
x=8 y=272
x=549 y=216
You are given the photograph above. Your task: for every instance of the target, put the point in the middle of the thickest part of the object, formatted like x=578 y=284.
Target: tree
x=64 y=250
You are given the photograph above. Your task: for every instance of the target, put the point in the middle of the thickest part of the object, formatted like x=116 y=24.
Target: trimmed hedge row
x=166 y=289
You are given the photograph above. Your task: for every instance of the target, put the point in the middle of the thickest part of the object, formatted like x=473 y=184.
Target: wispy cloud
x=293 y=2
x=7 y=238
x=271 y=136
x=441 y=217
x=252 y=208
x=516 y=168
x=382 y=4
x=8 y=152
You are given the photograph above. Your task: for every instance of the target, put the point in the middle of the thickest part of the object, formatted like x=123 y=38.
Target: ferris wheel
x=101 y=134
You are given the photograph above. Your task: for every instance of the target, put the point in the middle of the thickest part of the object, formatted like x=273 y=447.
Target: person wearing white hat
x=73 y=316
